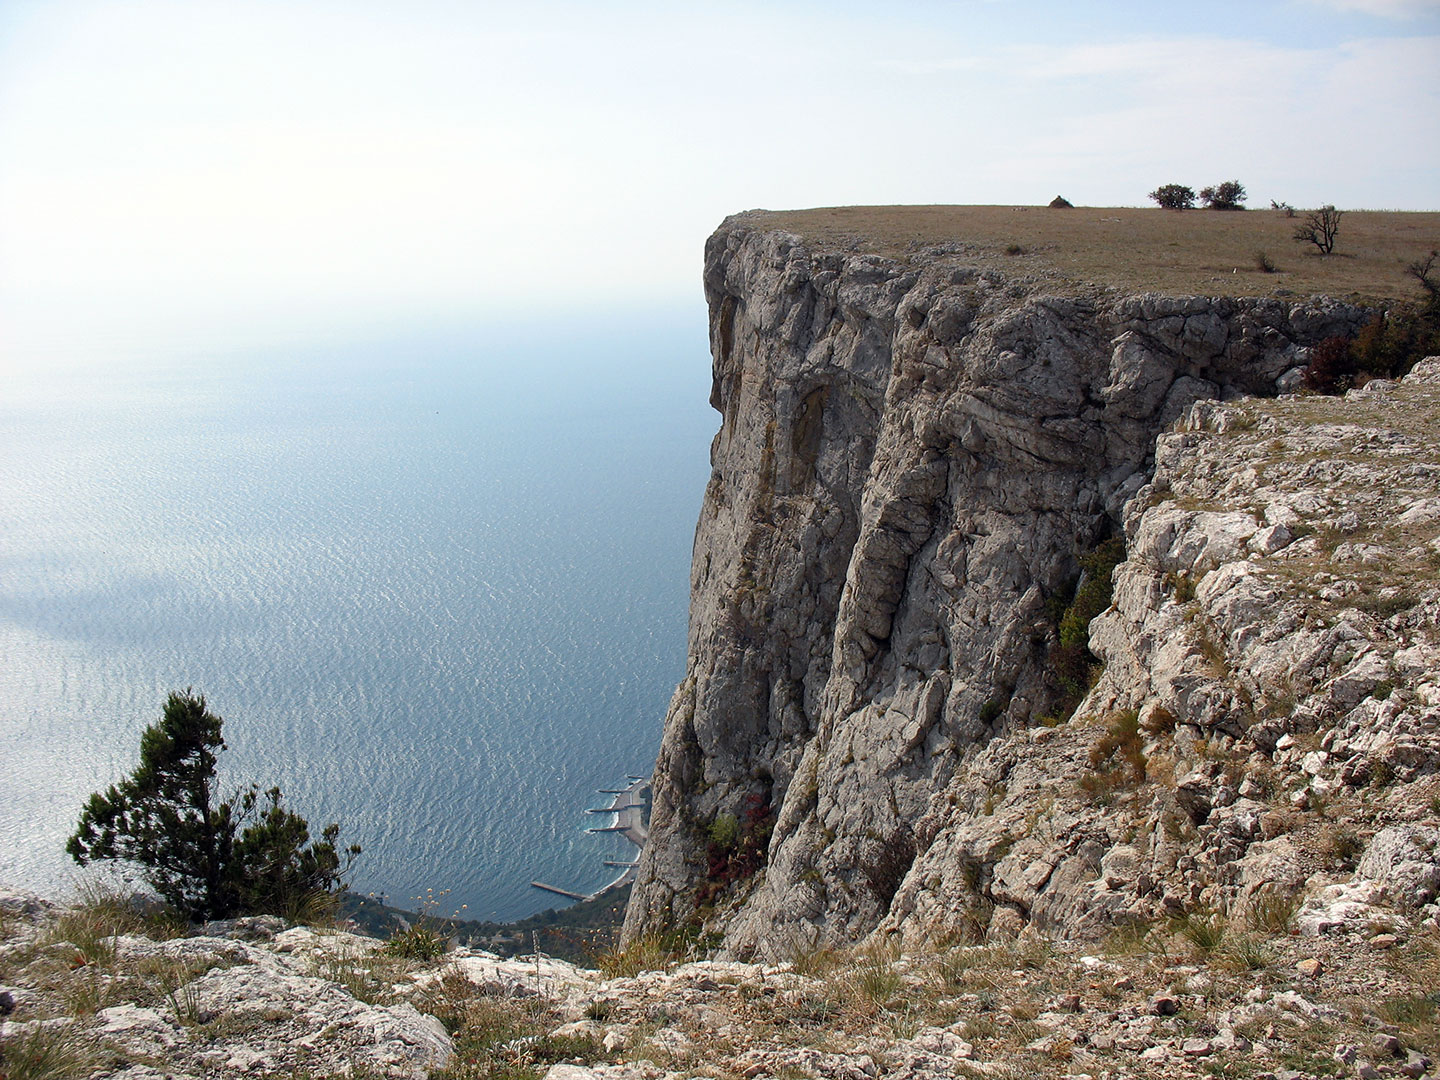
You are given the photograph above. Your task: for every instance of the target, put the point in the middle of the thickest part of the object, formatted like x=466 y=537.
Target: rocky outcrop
x=1272 y=669
x=913 y=455
x=245 y=998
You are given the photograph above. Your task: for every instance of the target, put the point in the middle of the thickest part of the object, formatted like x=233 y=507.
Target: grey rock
x=1405 y=859
x=912 y=456
x=1164 y=1005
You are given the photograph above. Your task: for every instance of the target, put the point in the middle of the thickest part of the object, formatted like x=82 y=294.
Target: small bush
x=47 y=1053
x=1071 y=661
x=1386 y=347
x=1061 y=203
x=654 y=952
x=1204 y=930
x=1392 y=343
x=1342 y=847
x=422 y=941
x=1173 y=197
x=1264 y=264
x=1117 y=759
x=1094 y=592
x=737 y=847
x=1331 y=369
x=1272 y=911
x=725 y=832
x=1181 y=586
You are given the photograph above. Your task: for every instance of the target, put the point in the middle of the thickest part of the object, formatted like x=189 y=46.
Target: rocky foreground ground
x=97 y=991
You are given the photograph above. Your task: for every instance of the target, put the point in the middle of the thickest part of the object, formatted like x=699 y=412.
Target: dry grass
x=1140 y=250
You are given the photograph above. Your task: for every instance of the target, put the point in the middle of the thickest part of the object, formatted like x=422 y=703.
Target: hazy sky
x=198 y=171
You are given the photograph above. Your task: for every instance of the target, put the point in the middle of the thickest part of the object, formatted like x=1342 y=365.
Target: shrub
x=1264 y=264
x=1387 y=347
x=417 y=943
x=1229 y=195
x=725 y=832
x=1173 y=197
x=1061 y=203
x=207 y=860
x=1181 y=586
x=1205 y=930
x=1071 y=660
x=737 y=848
x=1331 y=369
x=425 y=939
x=1319 y=228
x=1119 y=747
x=1272 y=910
x=1093 y=592
x=1341 y=847
x=889 y=861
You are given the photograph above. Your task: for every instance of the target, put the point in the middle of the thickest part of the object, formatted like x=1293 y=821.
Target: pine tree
x=165 y=818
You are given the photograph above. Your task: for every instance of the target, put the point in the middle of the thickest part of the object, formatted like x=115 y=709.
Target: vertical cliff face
x=912 y=456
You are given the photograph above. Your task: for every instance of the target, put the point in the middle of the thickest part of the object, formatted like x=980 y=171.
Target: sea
x=435 y=583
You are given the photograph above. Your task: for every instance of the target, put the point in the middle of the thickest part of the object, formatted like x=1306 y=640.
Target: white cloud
x=1387 y=9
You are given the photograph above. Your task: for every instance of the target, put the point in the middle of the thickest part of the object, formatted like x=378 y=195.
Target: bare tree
x=1319 y=228
x=1421 y=270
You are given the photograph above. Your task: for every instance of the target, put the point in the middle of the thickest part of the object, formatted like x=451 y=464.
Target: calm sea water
x=436 y=586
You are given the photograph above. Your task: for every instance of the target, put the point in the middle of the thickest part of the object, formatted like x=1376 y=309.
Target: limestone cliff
x=913 y=455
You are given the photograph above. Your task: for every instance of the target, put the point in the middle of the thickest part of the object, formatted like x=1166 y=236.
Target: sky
x=181 y=173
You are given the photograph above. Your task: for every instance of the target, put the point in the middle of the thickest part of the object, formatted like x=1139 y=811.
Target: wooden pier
x=559 y=891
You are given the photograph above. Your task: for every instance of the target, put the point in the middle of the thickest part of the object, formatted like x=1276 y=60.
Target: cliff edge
x=876 y=729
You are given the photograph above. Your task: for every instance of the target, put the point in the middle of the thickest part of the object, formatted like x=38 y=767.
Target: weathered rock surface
x=308 y=1003
x=1284 y=698
x=912 y=457
x=300 y=1002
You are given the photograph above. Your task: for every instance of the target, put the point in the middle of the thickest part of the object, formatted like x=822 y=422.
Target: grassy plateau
x=1199 y=252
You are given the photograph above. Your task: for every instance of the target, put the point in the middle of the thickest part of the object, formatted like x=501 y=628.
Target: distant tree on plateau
x=1319 y=228
x=208 y=859
x=1173 y=197
x=1229 y=195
